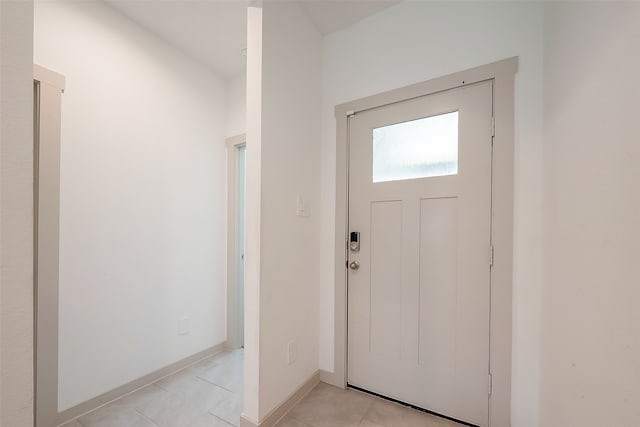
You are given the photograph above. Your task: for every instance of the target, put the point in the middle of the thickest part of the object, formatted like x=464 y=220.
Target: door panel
x=438 y=283
x=419 y=303
x=386 y=264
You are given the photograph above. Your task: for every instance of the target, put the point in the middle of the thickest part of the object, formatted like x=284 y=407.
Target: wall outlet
x=302 y=207
x=183 y=326
x=292 y=351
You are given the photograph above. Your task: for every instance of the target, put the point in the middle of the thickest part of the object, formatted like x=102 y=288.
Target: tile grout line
x=144 y=416
x=296 y=419
x=221 y=419
x=218 y=416
x=212 y=383
x=365 y=412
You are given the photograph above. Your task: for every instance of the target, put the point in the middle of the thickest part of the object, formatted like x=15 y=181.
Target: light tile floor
x=209 y=394
x=328 y=406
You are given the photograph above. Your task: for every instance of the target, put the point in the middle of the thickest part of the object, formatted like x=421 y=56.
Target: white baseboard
x=279 y=412
x=115 y=394
x=332 y=379
x=246 y=422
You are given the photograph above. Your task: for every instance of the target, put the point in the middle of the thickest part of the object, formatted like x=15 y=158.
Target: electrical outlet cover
x=292 y=352
x=183 y=326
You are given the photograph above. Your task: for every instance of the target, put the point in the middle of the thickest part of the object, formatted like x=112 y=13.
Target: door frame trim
x=46 y=192
x=233 y=143
x=502 y=73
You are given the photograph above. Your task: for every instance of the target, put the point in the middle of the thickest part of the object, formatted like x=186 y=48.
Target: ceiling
x=214 y=31
x=333 y=15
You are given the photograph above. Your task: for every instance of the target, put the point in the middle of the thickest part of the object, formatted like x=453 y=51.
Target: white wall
x=236 y=122
x=16 y=214
x=591 y=323
x=142 y=210
x=289 y=167
x=416 y=41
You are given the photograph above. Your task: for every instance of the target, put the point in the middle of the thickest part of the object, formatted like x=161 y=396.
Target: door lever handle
x=354 y=265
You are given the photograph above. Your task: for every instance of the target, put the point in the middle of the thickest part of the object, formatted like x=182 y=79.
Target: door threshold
x=409 y=405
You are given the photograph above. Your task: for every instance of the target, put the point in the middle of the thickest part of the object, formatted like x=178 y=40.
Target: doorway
x=406 y=230
x=419 y=265
x=236 y=198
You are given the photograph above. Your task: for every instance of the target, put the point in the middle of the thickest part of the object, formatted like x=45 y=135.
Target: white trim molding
x=47 y=120
x=280 y=411
x=233 y=144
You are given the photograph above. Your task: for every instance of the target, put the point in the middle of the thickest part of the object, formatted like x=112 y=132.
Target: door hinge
x=490 y=384
x=493 y=126
x=491 y=255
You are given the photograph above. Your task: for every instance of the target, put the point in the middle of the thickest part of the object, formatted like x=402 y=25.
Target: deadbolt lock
x=354 y=241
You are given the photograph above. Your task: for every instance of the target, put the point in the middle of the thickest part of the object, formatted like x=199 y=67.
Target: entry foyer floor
x=209 y=394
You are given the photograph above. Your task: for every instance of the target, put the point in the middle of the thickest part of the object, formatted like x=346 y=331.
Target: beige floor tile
x=389 y=414
x=115 y=416
x=73 y=423
x=209 y=394
x=227 y=356
x=170 y=412
x=195 y=392
x=180 y=400
x=226 y=374
x=203 y=365
x=328 y=406
x=122 y=412
x=291 y=422
x=185 y=405
x=184 y=375
x=229 y=409
x=368 y=423
x=140 y=397
x=208 y=420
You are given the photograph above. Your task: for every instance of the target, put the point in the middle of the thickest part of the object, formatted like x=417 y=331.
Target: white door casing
x=48 y=89
x=502 y=73
x=235 y=239
x=240 y=238
x=419 y=303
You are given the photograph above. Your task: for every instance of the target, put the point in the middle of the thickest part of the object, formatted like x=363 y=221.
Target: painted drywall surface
x=142 y=209
x=416 y=41
x=290 y=167
x=253 y=222
x=591 y=324
x=16 y=214
x=236 y=122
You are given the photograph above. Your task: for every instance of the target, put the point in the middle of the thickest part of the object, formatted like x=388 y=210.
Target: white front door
x=419 y=284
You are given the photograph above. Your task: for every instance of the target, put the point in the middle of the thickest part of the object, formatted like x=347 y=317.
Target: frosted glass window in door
x=416 y=149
